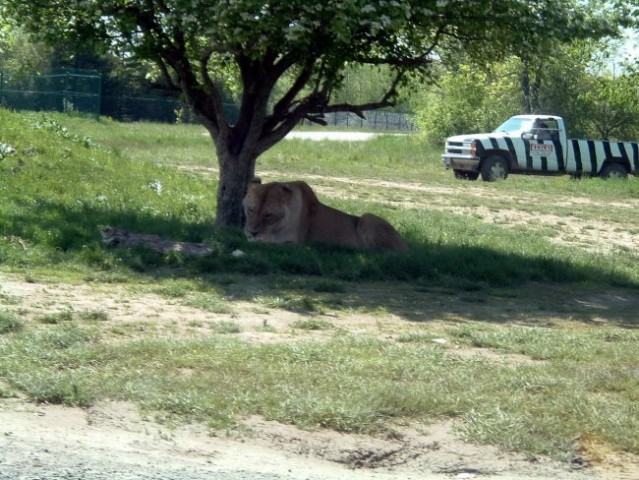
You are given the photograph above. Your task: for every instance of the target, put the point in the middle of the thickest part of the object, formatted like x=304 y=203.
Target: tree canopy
x=306 y=46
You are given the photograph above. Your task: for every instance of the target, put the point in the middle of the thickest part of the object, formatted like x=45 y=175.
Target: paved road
x=328 y=135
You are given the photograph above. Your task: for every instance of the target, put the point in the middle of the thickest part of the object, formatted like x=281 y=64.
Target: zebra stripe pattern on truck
x=588 y=155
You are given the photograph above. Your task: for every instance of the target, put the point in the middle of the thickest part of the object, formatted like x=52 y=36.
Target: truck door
x=544 y=151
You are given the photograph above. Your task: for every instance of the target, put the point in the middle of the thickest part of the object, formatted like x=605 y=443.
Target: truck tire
x=494 y=168
x=465 y=175
x=614 y=170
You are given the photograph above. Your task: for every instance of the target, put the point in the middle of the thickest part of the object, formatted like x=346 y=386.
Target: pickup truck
x=537 y=144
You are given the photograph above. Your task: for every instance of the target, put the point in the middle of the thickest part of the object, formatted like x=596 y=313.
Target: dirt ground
x=118 y=433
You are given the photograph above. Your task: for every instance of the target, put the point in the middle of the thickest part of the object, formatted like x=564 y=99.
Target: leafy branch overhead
x=308 y=42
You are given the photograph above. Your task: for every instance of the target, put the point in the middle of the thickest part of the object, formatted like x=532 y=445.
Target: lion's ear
x=254 y=182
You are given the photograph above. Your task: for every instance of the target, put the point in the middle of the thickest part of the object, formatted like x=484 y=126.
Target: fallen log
x=116 y=237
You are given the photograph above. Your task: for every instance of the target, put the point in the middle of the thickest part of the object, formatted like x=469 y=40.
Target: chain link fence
x=373 y=119
x=74 y=90
x=57 y=90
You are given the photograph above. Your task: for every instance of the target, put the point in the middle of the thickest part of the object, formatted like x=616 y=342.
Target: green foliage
x=469 y=99
x=612 y=104
x=572 y=82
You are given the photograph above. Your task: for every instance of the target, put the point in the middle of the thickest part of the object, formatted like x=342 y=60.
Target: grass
x=300 y=384
x=10 y=323
x=68 y=177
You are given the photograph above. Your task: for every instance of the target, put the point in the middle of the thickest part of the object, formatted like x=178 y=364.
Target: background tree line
x=598 y=96
x=584 y=81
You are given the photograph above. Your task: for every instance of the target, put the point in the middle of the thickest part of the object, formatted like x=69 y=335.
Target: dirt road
x=111 y=441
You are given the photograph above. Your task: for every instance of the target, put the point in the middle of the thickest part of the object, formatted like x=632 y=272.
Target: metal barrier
x=74 y=90
x=58 y=90
x=373 y=119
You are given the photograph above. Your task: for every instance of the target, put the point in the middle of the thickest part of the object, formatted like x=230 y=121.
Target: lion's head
x=273 y=212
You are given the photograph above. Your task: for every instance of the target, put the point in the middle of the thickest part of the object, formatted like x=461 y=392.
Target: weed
x=94 y=315
x=55 y=318
x=56 y=389
x=66 y=336
x=209 y=302
x=8 y=299
x=225 y=327
x=312 y=324
x=10 y=323
x=267 y=327
x=6 y=393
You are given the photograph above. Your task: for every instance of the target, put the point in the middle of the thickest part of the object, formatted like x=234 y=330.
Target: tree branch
x=218 y=122
x=170 y=84
x=314 y=107
x=283 y=105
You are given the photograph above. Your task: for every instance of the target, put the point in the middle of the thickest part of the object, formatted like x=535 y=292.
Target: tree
x=613 y=106
x=306 y=45
x=576 y=83
x=468 y=99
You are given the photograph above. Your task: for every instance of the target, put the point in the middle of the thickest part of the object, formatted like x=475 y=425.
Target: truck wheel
x=494 y=168
x=614 y=170
x=466 y=175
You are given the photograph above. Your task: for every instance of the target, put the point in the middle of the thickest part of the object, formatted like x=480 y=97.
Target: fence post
x=99 y=105
x=66 y=93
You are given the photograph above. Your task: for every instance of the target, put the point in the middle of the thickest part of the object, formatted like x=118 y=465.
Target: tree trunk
x=524 y=82
x=236 y=171
x=530 y=83
x=535 y=103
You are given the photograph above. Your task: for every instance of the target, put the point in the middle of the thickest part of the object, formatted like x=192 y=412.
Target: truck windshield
x=515 y=125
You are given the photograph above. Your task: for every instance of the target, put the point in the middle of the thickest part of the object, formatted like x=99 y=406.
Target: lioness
x=291 y=213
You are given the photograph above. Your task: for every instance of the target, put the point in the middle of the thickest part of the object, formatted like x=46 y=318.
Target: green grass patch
x=55 y=318
x=210 y=302
x=94 y=315
x=226 y=327
x=360 y=386
x=10 y=323
x=312 y=324
x=65 y=178
x=64 y=183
